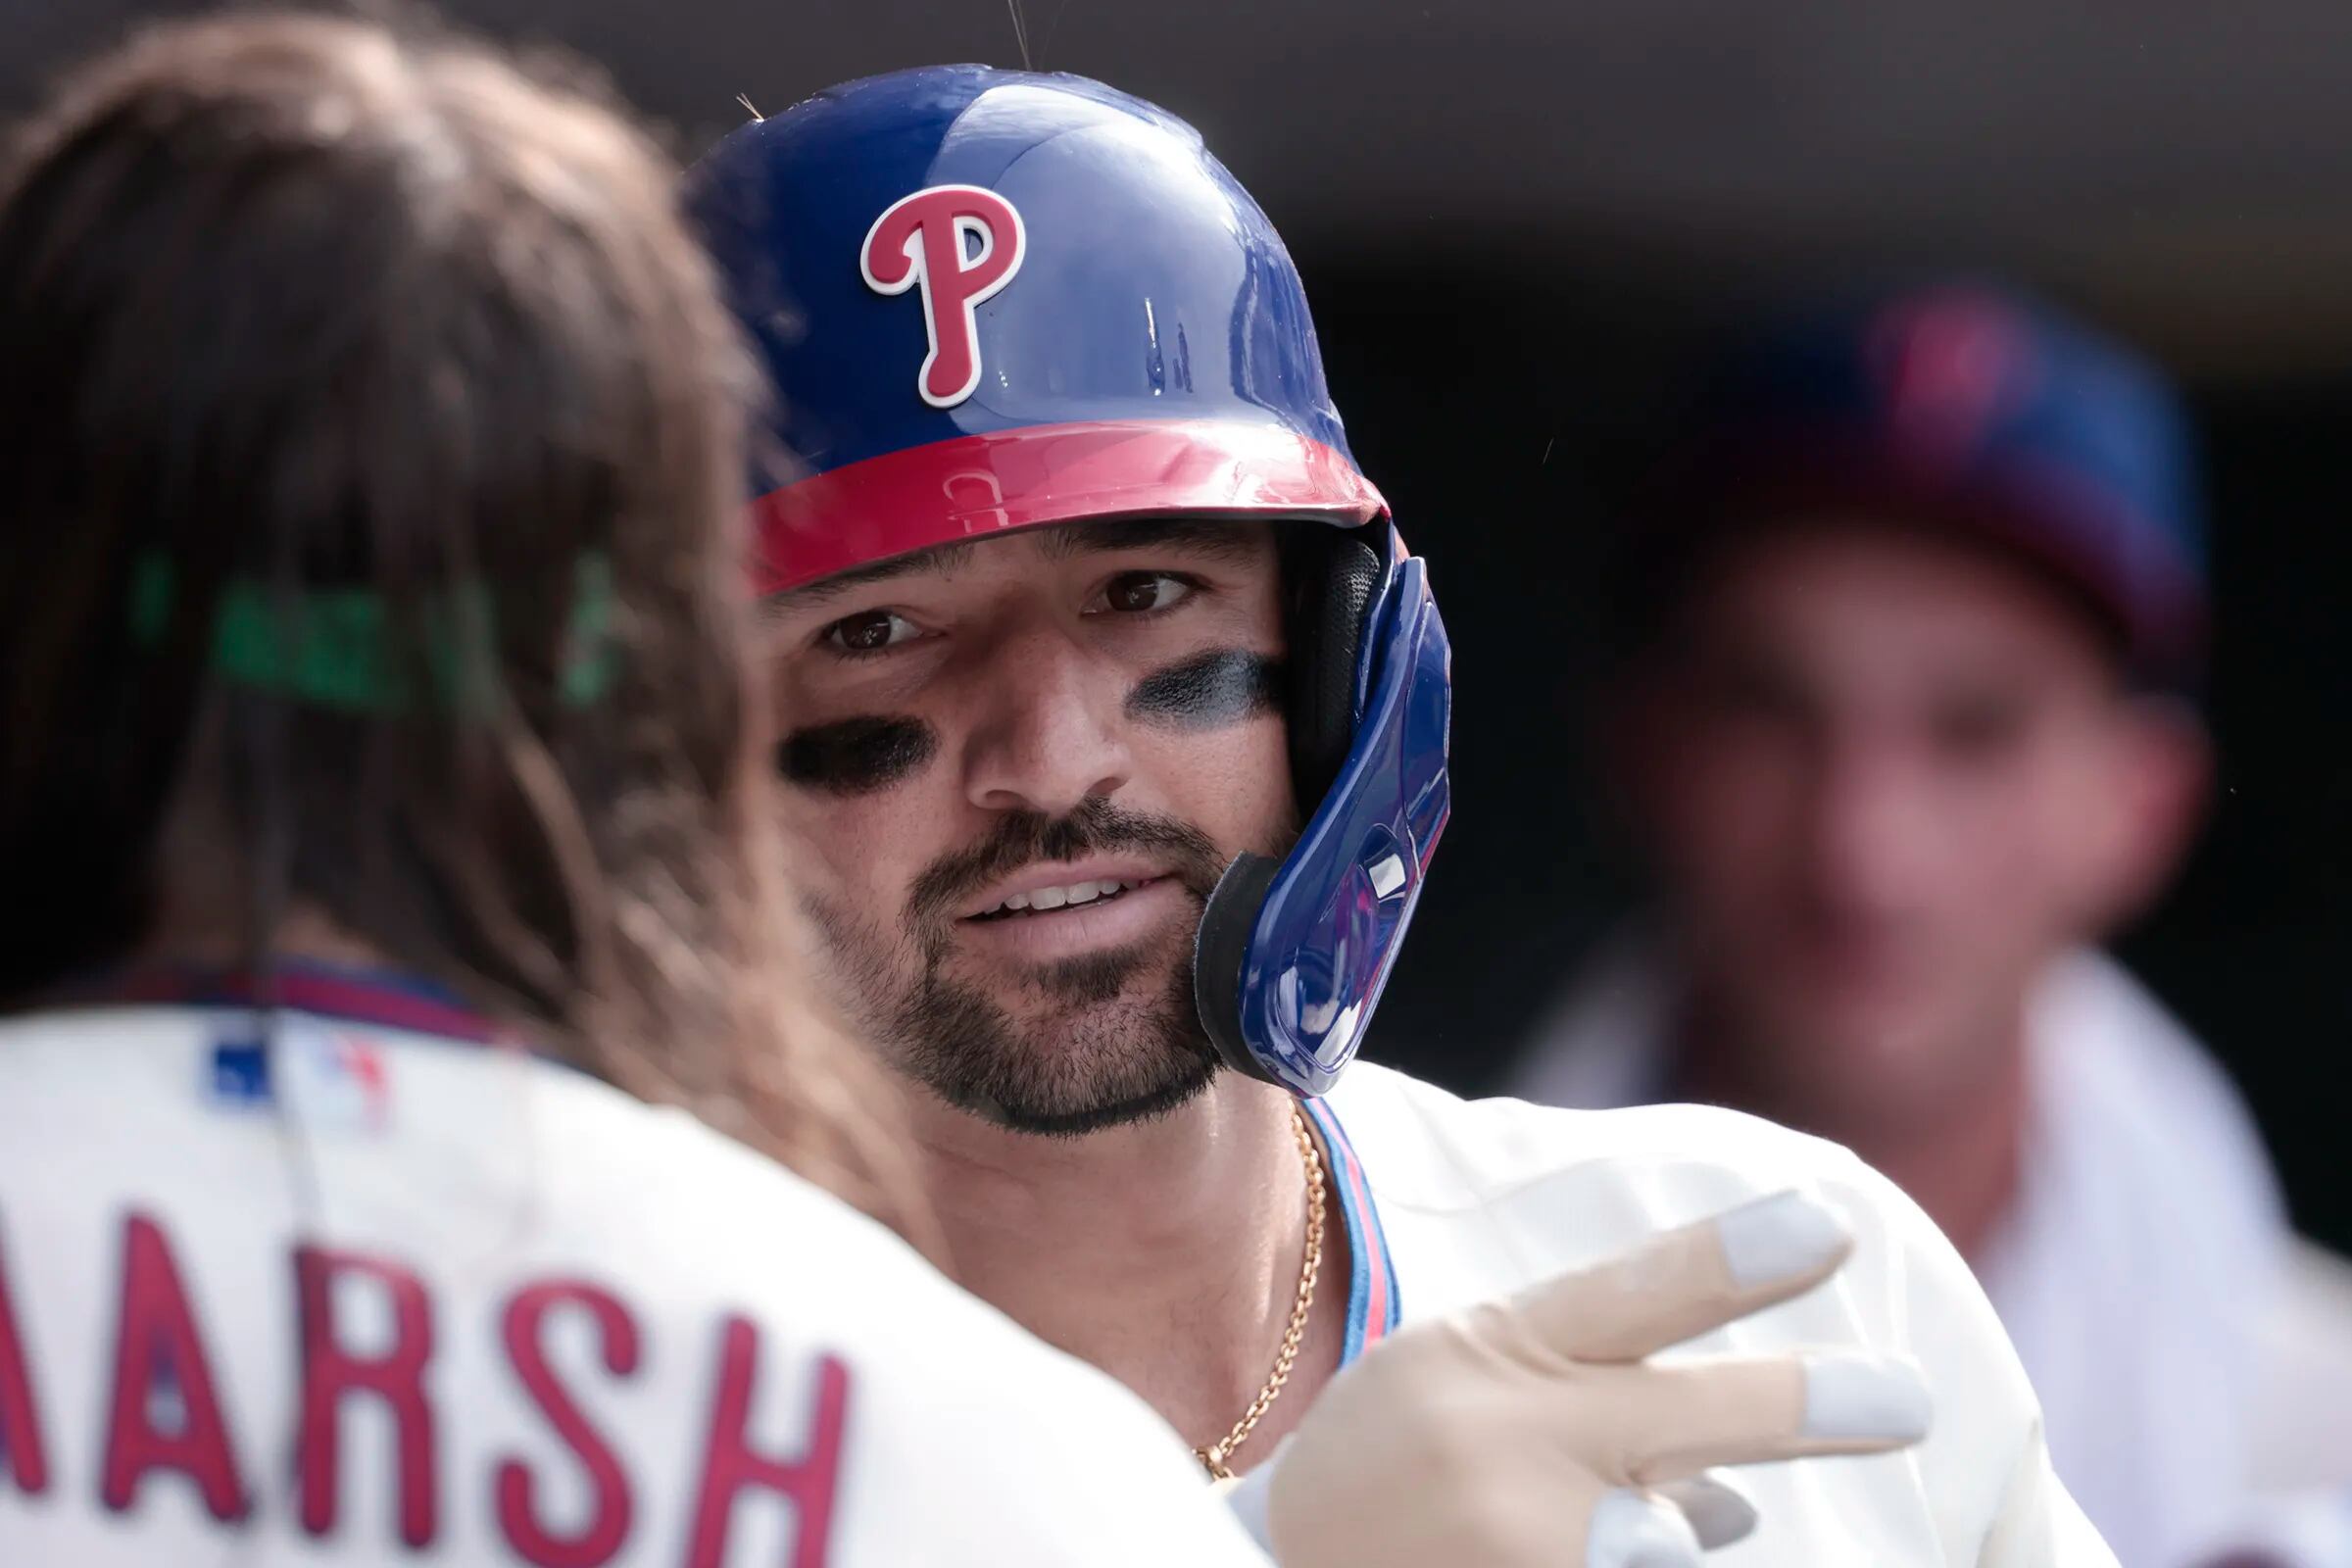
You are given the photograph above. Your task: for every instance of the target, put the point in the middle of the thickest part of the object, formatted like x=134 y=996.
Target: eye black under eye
x=856 y=755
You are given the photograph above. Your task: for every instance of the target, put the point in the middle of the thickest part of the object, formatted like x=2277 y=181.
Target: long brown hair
x=370 y=517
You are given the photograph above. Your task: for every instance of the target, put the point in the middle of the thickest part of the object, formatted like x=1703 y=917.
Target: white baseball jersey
x=361 y=1294
x=2193 y=1359
x=1450 y=1202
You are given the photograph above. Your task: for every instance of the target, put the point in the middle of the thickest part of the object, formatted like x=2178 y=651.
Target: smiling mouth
x=1091 y=894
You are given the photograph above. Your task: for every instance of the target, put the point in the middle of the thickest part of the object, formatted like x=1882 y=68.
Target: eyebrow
x=1200 y=536
x=940 y=559
x=1203 y=536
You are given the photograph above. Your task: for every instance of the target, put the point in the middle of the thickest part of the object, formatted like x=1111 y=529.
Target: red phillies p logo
x=1950 y=365
x=925 y=238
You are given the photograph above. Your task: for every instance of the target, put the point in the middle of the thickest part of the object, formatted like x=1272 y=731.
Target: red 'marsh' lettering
x=329 y=1371
x=729 y=1465
x=517 y=1515
x=21 y=1449
x=158 y=1353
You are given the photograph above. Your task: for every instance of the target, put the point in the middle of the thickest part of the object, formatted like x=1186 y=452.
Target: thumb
x=1719 y=1513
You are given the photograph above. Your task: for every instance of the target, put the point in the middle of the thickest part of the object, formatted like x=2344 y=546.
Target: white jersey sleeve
x=1915 y=1294
x=1478 y=1199
x=355 y=1296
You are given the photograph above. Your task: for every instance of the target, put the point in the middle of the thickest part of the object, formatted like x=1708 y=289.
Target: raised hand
x=1535 y=1433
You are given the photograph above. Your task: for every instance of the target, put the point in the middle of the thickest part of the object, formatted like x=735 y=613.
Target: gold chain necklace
x=1215 y=1456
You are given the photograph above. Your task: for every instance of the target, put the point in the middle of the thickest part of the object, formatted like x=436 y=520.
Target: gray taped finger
x=1689 y=1416
x=1639 y=1530
x=1682 y=1283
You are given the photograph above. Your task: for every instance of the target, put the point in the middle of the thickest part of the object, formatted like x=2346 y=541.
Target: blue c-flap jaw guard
x=1293 y=953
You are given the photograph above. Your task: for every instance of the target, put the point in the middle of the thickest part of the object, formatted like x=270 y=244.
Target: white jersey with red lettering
x=1449 y=1203
x=349 y=1293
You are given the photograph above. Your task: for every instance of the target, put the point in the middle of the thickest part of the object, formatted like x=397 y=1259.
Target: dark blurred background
x=1518 y=219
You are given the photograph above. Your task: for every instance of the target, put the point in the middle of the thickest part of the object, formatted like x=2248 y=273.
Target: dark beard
x=1117 y=1065
x=968 y=1051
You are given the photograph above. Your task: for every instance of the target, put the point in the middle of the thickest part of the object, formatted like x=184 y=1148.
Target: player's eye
x=868 y=632
x=1139 y=593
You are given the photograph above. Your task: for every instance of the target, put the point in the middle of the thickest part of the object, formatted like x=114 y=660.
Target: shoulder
x=1479 y=1197
x=953 y=1397
x=430 y=1145
x=1559 y=1188
x=417 y=1133
x=2130 y=1093
x=484 y=1179
x=1428 y=1148
x=1556 y=1189
x=2303 y=1397
x=68 y=1044
x=2103 y=1039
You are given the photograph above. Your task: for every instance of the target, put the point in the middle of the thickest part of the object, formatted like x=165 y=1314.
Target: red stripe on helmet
x=979 y=485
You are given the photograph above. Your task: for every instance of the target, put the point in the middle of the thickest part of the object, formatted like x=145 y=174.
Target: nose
x=1870 y=826
x=1049 y=733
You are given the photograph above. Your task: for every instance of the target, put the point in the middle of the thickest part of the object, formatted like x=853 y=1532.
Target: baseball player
x=1115 y=717
x=380 y=757
x=1906 y=721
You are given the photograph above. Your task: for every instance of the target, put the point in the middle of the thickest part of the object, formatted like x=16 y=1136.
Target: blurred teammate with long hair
x=376 y=793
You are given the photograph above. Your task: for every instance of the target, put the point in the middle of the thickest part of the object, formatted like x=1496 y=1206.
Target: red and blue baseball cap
x=993 y=300
x=1976 y=409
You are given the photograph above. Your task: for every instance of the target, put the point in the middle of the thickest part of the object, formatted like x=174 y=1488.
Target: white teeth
x=1056 y=897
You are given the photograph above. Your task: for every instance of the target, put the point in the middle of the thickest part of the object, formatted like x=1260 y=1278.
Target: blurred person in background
x=1905 y=725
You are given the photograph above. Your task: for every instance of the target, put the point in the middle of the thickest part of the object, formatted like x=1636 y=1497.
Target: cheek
x=836 y=845
x=858 y=849
x=1208 y=733
x=1726 y=809
x=2009 y=826
x=854 y=803
x=2056 y=856
x=1232 y=782
x=1993 y=867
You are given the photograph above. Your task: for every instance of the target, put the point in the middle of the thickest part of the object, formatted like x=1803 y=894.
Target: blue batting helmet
x=993 y=300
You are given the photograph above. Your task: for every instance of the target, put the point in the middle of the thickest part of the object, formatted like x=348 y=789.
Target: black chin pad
x=1217 y=954
x=1331 y=575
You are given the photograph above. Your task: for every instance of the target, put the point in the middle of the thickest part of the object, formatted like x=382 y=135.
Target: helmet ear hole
x=1332 y=576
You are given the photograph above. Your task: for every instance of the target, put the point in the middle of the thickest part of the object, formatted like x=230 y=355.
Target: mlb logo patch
x=239 y=1078
x=1951 y=367
x=328 y=1076
x=337 y=1078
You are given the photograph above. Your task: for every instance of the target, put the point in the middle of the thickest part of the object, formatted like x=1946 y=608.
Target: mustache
x=1028 y=838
